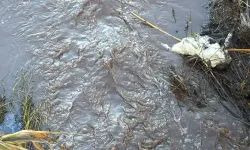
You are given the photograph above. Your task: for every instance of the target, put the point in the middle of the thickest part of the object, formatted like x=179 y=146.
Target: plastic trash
x=204 y=47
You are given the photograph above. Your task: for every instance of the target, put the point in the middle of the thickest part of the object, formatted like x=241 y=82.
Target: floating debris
x=209 y=51
x=173 y=14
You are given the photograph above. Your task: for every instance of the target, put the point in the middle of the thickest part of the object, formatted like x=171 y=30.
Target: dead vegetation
x=233 y=83
x=18 y=140
x=178 y=86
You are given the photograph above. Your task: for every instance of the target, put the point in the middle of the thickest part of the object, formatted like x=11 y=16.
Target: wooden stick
x=239 y=50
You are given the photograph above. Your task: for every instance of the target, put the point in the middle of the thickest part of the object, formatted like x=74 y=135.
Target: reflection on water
x=106 y=74
x=11 y=123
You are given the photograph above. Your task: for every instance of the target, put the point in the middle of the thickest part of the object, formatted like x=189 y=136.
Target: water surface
x=106 y=74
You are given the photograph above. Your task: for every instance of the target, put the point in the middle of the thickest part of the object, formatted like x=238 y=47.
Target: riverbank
x=233 y=83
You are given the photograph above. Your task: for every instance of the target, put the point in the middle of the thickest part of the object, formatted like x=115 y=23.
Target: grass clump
x=32 y=121
x=31 y=116
x=32 y=135
x=3 y=109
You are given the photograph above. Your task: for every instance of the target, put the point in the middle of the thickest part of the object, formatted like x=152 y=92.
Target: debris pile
x=210 y=52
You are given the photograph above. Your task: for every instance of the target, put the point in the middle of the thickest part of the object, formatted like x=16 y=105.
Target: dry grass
x=18 y=140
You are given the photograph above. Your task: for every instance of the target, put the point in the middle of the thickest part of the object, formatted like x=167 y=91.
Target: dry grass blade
x=11 y=146
x=37 y=145
x=3 y=146
x=15 y=147
x=28 y=135
x=18 y=140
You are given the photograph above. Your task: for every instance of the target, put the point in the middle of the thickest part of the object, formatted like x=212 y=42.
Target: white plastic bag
x=211 y=53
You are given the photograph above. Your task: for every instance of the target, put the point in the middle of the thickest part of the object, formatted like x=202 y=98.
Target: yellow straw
x=155 y=27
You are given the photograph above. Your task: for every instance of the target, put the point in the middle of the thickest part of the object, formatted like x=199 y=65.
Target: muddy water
x=12 y=54
x=106 y=74
x=13 y=58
